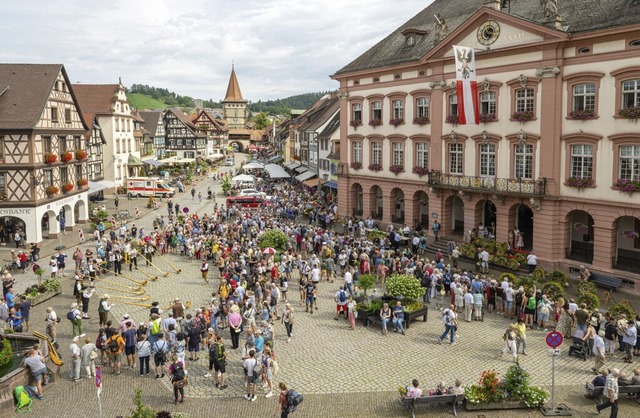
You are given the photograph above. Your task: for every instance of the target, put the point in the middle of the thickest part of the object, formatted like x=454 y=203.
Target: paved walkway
x=341 y=372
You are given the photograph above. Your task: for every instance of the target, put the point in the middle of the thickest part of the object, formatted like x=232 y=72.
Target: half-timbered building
x=183 y=140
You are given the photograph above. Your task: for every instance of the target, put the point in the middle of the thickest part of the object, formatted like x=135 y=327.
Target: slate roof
x=331 y=127
x=151 y=120
x=579 y=15
x=336 y=154
x=96 y=98
x=25 y=89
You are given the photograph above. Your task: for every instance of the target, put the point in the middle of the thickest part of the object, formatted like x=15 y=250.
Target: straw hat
x=105 y=296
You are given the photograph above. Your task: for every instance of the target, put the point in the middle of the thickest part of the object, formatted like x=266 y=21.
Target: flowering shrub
x=583 y=114
x=375 y=122
x=452 y=119
x=67 y=187
x=404 y=285
x=396 y=122
x=356 y=165
x=523 y=116
x=421 y=171
x=630 y=112
x=630 y=233
x=628 y=186
x=487 y=117
x=81 y=154
x=50 y=158
x=375 y=167
x=579 y=182
x=514 y=387
x=83 y=182
x=66 y=157
x=421 y=120
x=395 y=169
x=580 y=227
x=52 y=190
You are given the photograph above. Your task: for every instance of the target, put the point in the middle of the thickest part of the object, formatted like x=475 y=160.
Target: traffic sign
x=98 y=377
x=554 y=339
x=554 y=351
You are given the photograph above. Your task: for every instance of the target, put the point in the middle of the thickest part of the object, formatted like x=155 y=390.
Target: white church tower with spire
x=234 y=105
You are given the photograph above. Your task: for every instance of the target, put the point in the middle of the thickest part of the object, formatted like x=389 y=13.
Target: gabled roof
x=331 y=127
x=578 y=15
x=216 y=124
x=186 y=122
x=151 y=120
x=336 y=154
x=96 y=98
x=233 y=89
x=24 y=90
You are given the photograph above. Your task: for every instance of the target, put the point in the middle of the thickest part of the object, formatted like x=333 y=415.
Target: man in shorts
x=249 y=366
x=342 y=300
x=310 y=292
x=160 y=349
x=115 y=347
x=218 y=358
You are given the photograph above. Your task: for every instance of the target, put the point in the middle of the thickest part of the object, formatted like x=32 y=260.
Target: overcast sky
x=280 y=47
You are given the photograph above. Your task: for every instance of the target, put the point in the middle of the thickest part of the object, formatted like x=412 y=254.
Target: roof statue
x=441 y=26
x=550 y=8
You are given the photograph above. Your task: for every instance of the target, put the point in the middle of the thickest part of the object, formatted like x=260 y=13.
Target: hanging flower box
x=421 y=171
x=631 y=234
x=67 y=187
x=487 y=117
x=421 y=120
x=396 y=122
x=50 y=158
x=583 y=114
x=356 y=165
x=375 y=167
x=81 y=154
x=628 y=186
x=452 y=119
x=580 y=227
x=83 y=183
x=52 y=190
x=355 y=123
x=66 y=157
x=522 y=116
x=579 y=182
x=630 y=112
x=375 y=122
x=396 y=169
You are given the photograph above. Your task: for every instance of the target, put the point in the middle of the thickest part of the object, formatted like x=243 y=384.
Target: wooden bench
x=408 y=317
x=609 y=283
x=410 y=403
x=598 y=392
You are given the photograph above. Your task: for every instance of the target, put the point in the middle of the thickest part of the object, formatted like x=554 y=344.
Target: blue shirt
x=11 y=300
x=259 y=343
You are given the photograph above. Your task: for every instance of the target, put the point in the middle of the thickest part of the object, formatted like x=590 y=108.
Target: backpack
x=71 y=315
x=178 y=372
x=155 y=327
x=22 y=398
x=294 y=399
x=342 y=296
x=113 y=346
x=215 y=352
x=257 y=368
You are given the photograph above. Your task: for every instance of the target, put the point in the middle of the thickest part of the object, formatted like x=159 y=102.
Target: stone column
x=605 y=240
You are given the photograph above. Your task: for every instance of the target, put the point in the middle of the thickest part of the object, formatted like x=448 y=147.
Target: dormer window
x=411 y=40
x=412 y=36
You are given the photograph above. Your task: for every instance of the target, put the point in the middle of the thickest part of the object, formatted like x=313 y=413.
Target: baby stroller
x=579 y=347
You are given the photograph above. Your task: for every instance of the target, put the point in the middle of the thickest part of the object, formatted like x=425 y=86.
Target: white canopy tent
x=242 y=177
x=275 y=171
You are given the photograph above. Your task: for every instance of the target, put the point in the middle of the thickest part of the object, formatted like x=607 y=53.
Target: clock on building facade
x=488 y=32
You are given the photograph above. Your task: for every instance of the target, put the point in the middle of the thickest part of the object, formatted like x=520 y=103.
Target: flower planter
x=496 y=405
x=42 y=297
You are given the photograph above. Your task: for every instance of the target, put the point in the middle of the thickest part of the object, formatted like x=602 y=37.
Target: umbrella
x=269 y=250
x=242 y=178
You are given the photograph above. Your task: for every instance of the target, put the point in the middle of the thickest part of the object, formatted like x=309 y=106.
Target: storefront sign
x=63 y=202
x=5 y=212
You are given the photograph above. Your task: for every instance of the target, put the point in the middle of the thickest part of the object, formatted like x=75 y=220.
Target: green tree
x=261 y=120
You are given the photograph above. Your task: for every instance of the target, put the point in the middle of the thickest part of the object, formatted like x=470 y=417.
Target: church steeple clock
x=234 y=105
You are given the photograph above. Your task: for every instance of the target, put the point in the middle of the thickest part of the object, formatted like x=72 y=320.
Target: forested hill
x=284 y=106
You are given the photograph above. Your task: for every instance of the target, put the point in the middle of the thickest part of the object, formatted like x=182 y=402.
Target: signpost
x=99 y=387
x=554 y=340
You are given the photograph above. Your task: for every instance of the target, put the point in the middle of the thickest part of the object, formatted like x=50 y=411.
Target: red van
x=245 y=201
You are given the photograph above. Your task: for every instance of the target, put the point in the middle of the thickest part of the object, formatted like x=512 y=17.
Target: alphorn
x=144 y=305
x=139 y=299
x=178 y=271
x=152 y=278
x=119 y=285
x=141 y=283
x=115 y=289
x=165 y=274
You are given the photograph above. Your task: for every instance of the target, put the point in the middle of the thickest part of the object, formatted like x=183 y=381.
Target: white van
x=229 y=162
x=148 y=186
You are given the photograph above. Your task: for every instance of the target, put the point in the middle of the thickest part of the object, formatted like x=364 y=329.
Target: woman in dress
x=351 y=310
x=565 y=321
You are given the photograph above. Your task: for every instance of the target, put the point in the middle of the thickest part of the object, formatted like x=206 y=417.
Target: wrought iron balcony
x=500 y=186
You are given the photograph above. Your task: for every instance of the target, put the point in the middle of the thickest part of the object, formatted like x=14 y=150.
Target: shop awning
x=301 y=169
x=276 y=172
x=276 y=159
x=331 y=184
x=153 y=162
x=311 y=183
x=292 y=165
x=96 y=186
x=306 y=176
x=253 y=165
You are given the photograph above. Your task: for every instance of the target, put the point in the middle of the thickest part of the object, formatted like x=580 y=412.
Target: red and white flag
x=466 y=86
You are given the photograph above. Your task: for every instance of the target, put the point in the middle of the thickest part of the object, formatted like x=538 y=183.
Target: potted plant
x=523 y=116
x=366 y=282
x=81 y=154
x=630 y=233
x=356 y=165
x=630 y=112
x=579 y=182
x=396 y=121
x=452 y=119
x=583 y=114
x=52 y=190
x=50 y=158
x=396 y=169
x=39 y=272
x=67 y=187
x=580 y=227
x=421 y=171
x=355 y=123
x=375 y=122
x=83 y=183
x=487 y=117
x=628 y=186
x=421 y=120
x=65 y=157
x=511 y=392
x=375 y=167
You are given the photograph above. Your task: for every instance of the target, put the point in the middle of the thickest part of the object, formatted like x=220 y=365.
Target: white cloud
x=280 y=47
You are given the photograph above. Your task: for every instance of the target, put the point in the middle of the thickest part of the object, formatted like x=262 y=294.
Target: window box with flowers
x=630 y=112
x=83 y=183
x=375 y=122
x=355 y=165
x=396 y=169
x=580 y=227
x=524 y=116
x=421 y=120
x=487 y=117
x=579 y=182
x=67 y=187
x=375 y=167
x=81 y=154
x=355 y=123
x=52 y=190
x=50 y=158
x=583 y=114
x=628 y=186
x=631 y=234
x=421 y=171
x=452 y=119
x=65 y=157
x=396 y=122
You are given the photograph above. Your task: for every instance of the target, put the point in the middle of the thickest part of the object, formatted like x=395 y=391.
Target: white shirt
x=508 y=294
x=573 y=307
x=75 y=350
x=346 y=300
x=532 y=260
x=249 y=364
x=348 y=278
x=315 y=275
